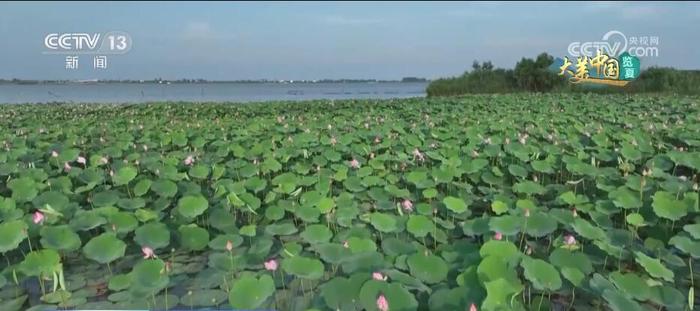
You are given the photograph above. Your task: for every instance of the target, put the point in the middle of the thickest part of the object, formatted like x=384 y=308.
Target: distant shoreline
x=202 y=81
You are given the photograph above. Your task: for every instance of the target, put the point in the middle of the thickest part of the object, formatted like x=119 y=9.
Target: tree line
x=534 y=75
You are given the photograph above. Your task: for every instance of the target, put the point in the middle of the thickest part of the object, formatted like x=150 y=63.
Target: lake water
x=204 y=92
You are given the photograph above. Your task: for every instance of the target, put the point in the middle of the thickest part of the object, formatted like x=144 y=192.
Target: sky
x=317 y=40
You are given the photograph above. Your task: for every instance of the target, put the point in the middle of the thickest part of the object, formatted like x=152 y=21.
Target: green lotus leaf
x=666 y=206
x=42 y=262
x=87 y=220
x=124 y=175
x=383 y=222
x=653 y=266
x=315 y=234
x=499 y=207
x=199 y=171
x=12 y=233
x=303 y=267
x=686 y=245
x=587 y=230
x=154 y=235
x=624 y=198
x=123 y=222
x=61 y=238
x=249 y=230
x=119 y=282
x=427 y=268
x=104 y=248
x=419 y=225
x=397 y=296
x=249 y=292
x=575 y=276
x=204 y=297
x=281 y=228
x=631 y=284
x=142 y=187
x=164 y=188
x=105 y=198
x=667 y=296
x=325 y=205
x=430 y=193
x=192 y=206
x=54 y=199
x=528 y=187
x=456 y=205
x=499 y=294
x=635 y=219
x=193 y=238
x=507 y=225
x=540 y=224
x=694 y=230
x=564 y=258
x=619 y=302
x=149 y=273
x=341 y=293
x=24 y=189
x=503 y=249
x=541 y=273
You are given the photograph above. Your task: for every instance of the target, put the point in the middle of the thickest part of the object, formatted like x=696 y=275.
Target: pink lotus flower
x=472 y=307
x=354 y=163
x=498 y=236
x=487 y=141
x=66 y=167
x=569 y=239
x=333 y=141
x=148 y=252
x=379 y=276
x=474 y=154
x=38 y=217
x=418 y=155
x=82 y=160
x=271 y=265
x=407 y=205
x=189 y=160
x=377 y=140
x=104 y=160
x=382 y=303
x=345 y=244
x=229 y=246
x=54 y=154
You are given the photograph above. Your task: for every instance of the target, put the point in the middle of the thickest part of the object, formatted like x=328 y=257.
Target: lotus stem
x=29 y=239
x=41 y=284
x=573 y=297
x=539 y=305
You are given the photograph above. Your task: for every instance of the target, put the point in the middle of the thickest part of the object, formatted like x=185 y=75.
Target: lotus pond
x=503 y=202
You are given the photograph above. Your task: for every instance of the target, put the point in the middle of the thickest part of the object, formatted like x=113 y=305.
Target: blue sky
x=252 y=40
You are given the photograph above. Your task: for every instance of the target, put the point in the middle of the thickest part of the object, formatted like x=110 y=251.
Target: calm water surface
x=203 y=92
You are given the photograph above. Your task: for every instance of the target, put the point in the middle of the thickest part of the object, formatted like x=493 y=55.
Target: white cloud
x=640 y=12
